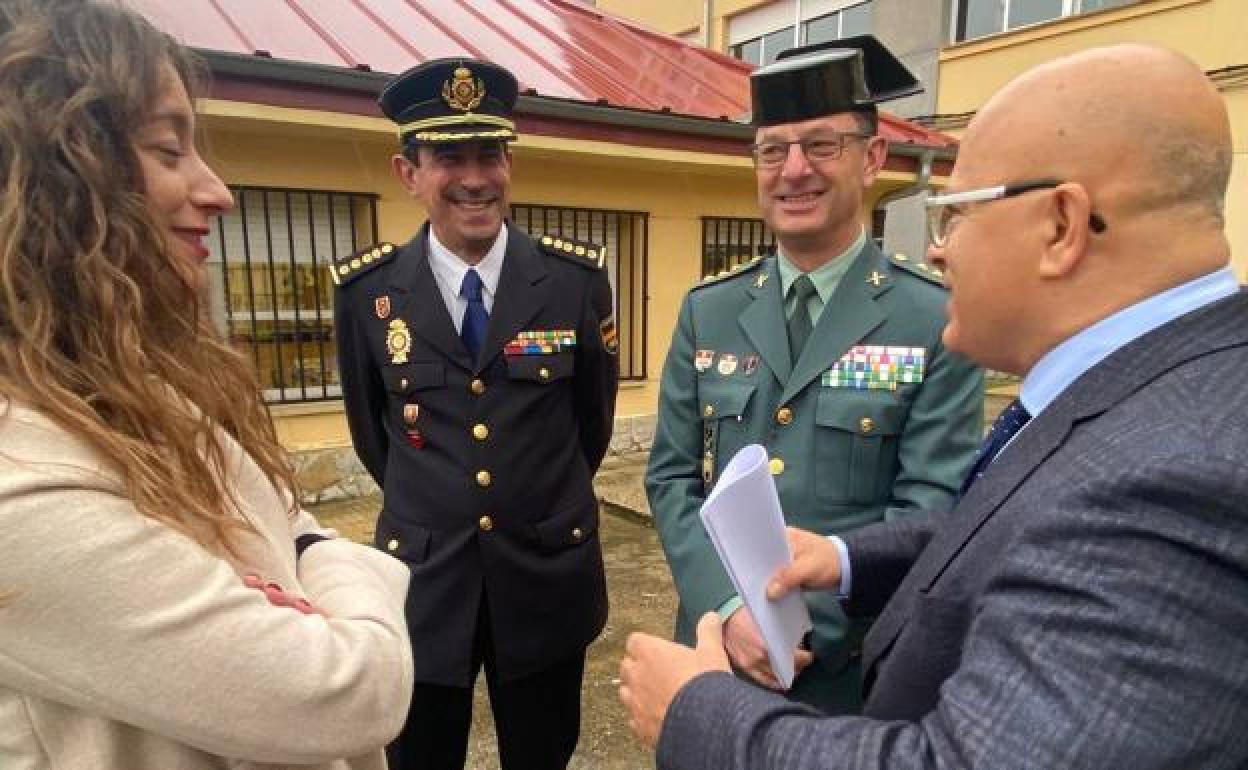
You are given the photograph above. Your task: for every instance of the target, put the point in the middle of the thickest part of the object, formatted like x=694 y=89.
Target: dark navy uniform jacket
x=485 y=466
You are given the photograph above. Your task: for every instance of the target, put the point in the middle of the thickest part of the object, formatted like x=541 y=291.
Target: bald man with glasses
x=828 y=353
x=1084 y=604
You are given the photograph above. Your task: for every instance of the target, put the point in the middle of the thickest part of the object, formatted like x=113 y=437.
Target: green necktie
x=799 y=322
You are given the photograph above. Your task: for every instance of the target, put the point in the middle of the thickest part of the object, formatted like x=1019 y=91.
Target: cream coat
x=127 y=646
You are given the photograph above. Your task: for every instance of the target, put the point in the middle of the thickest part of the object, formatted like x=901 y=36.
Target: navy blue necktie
x=472 y=331
x=1009 y=422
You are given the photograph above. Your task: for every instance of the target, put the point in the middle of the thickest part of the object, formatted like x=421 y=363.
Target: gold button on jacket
x=477 y=387
x=486 y=523
x=784 y=415
x=480 y=432
x=483 y=478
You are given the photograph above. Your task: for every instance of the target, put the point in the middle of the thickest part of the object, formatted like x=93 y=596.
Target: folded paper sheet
x=743 y=518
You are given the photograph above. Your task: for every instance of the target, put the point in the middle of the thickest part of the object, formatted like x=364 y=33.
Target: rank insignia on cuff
x=876 y=367
x=541 y=342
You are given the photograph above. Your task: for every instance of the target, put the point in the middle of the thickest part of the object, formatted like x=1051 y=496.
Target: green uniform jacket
x=846 y=457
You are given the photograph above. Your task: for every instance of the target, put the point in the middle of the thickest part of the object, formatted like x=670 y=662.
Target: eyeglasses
x=943 y=211
x=817 y=149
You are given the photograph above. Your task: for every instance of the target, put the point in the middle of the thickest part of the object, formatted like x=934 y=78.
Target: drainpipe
x=920 y=183
x=708 y=13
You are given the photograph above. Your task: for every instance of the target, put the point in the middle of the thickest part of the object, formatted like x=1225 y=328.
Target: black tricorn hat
x=853 y=73
x=452 y=100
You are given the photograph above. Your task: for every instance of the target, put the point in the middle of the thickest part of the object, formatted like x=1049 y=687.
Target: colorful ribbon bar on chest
x=541 y=342
x=876 y=367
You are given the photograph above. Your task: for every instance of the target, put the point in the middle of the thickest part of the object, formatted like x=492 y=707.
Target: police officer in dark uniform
x=479 y=376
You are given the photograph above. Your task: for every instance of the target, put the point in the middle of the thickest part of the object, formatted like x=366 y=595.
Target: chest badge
x=727 y=364
x=702 y=360
x=398 y=341
x=382 y=306
x=750 y=365
x=875 y=278
x=760 y=280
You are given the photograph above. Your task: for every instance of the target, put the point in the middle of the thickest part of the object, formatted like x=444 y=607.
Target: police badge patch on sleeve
x=610 y=339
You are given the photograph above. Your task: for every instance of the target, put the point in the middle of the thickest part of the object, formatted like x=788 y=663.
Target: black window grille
x=271 y=289
x=731 y=241
x=625 y=235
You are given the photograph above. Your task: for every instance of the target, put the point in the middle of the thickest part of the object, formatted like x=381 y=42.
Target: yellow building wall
x=675 y=17
x=678 y=17
x=1209 y=31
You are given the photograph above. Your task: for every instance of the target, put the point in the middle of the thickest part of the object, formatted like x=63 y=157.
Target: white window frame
x=1069 y=8
x=761 y=22
x=840 y=19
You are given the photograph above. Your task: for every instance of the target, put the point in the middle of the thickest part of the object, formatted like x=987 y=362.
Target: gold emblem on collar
x=875 y=278
x=463 y=91
x=398 y=341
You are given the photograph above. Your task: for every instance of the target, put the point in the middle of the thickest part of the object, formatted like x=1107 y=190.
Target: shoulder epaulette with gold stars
x=347 y=269
x=920 y=268
x=723 y=275
x=581 y=252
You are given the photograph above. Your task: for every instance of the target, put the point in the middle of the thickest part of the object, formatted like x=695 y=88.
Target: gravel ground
x=642 y=599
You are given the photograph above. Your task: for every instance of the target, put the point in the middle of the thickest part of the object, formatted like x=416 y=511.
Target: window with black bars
x=731 y=241
x=625 y=235
x=271 y=289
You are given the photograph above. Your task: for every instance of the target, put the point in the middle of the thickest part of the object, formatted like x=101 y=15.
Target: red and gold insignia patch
x=382 y=306
x=610 y=338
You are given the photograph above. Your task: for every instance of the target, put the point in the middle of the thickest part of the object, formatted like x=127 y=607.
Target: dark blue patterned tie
x=472 y=331
x=1010 y=421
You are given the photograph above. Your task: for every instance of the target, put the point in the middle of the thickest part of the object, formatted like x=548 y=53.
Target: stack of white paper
x=743 y=518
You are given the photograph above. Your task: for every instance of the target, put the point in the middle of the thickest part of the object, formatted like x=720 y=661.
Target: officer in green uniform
x=828 y=354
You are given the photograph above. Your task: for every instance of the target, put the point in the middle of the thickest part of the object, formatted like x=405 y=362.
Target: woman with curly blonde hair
x=163 y=601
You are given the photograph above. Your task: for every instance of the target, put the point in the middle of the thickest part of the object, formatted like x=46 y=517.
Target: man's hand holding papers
x=744 y=522
x=816 y=565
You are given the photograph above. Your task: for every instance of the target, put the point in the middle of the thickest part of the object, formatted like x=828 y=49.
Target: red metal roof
x=558 y=48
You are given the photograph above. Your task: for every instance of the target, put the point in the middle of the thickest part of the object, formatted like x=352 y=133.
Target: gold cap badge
x=463 y=91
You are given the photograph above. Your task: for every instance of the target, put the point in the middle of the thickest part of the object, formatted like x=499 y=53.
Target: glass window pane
x=1087 y=6
x=774 y=43
x=749 y=51
x=823 y=29
x=856 y=20
x=1023 y=12
x=982 y=17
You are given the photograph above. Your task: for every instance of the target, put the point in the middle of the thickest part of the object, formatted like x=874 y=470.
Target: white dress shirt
x=449 y=269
